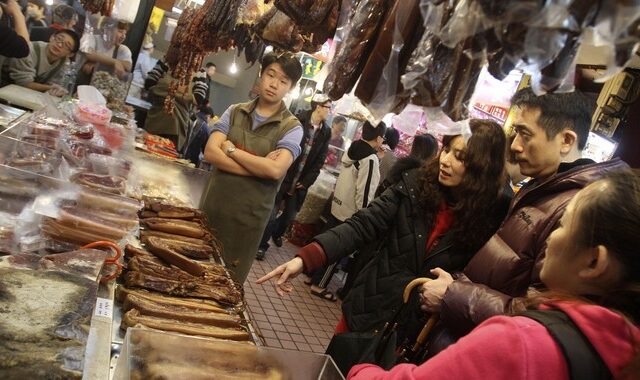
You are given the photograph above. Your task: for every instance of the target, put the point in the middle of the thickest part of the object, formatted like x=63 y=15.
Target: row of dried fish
x=167 y=356
x=180 y=294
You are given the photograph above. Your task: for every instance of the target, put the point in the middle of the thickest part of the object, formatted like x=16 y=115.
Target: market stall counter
x=148 y=354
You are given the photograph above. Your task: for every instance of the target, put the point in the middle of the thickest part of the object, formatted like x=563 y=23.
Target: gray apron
x=238 y=207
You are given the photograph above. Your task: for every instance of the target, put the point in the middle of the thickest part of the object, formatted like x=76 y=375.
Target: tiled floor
x=299 y=320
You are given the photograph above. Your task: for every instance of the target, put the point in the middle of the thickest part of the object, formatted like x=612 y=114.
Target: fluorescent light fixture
x=176 y=10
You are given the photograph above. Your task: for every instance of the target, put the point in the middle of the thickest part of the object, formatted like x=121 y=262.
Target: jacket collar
x=576 y=177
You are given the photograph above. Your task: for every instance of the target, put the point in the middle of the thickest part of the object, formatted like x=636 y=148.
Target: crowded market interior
x=319 y=189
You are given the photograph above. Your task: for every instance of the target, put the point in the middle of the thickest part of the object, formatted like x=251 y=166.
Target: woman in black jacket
x=436 y=216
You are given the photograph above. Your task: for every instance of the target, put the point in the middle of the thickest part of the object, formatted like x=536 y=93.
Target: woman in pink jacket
x=592 y=270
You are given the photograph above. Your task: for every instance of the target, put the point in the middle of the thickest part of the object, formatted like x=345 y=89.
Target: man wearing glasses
x=302 y=174
x=42 y=68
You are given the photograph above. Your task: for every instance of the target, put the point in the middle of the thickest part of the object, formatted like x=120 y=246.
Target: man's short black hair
x=211 y=64
x=339 y=120
x=572 y=110
x=369 y=132
x=71 y=33
x=287 y=61
x=392 y=137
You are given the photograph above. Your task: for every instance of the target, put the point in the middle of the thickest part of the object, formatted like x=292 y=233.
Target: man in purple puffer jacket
x=551 y=132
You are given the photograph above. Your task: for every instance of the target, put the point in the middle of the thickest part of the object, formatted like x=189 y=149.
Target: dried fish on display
x=46 y=305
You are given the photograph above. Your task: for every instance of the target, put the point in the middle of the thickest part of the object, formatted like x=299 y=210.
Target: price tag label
x=104 y=308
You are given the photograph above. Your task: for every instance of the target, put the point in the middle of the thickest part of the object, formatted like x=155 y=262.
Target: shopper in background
x=64 y=17
x=110 y=56
x=35 y=14
x=252 y=147
x=210 y=70
x=41 y=70
x=14 y=42
x=592 y=272
x=413 y=227
x=359 y=176
x=302 y=174
x=423 y=150
x=338 y=126
x=387 y=157
x=198 y=136
x=551 y=132
x=144 y=65
x=174 y=126
x=336 y=143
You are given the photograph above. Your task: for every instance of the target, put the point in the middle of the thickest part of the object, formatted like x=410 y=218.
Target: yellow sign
x=311 y=66
x=156 y=19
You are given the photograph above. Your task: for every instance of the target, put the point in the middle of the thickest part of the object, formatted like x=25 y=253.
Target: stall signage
x=310 y=66
x=496 y=111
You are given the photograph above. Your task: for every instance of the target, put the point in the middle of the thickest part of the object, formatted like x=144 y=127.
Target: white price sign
x=104 y=308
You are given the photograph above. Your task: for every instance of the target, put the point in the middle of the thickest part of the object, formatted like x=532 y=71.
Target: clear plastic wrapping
x=150 y=353
x=349 y=60
x=380 y=80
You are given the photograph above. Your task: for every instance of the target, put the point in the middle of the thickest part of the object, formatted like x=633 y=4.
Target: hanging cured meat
x=280 y=30
x=404 y=18
x=309 y=13
x=354 y=51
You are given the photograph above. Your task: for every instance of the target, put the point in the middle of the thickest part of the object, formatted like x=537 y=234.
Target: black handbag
x=378 y=347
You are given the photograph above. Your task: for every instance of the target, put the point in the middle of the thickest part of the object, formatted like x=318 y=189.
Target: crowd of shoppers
x=565 y=243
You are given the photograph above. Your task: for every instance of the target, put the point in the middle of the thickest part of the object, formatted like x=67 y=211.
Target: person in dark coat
x=413 y=227
x=302 y=174
x=551 y=132
x=424 y=148
x=14 y=41
x=198 y=136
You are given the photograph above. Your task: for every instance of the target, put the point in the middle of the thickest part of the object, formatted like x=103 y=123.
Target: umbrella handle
x=416 y=282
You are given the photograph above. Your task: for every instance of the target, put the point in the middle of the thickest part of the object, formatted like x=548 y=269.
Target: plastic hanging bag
x=125 y=10
x=380 y=80
x=350 y=57
x=617 y=33
x=468 y=19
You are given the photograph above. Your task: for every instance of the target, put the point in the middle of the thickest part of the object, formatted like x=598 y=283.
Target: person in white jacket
x=355 y=189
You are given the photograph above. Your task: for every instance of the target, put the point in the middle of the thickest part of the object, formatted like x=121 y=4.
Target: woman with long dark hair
x=436 y=216
x=592 y=271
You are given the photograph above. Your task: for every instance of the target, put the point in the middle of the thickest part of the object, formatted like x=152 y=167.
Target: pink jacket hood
x=610 y=334
x=520 y=348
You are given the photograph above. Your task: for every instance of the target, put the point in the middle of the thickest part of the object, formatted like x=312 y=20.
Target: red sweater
x=519 y=348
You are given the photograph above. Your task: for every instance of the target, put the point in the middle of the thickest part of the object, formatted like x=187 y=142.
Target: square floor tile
x=272 y=342
x=303 y=347
x=289 y=345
